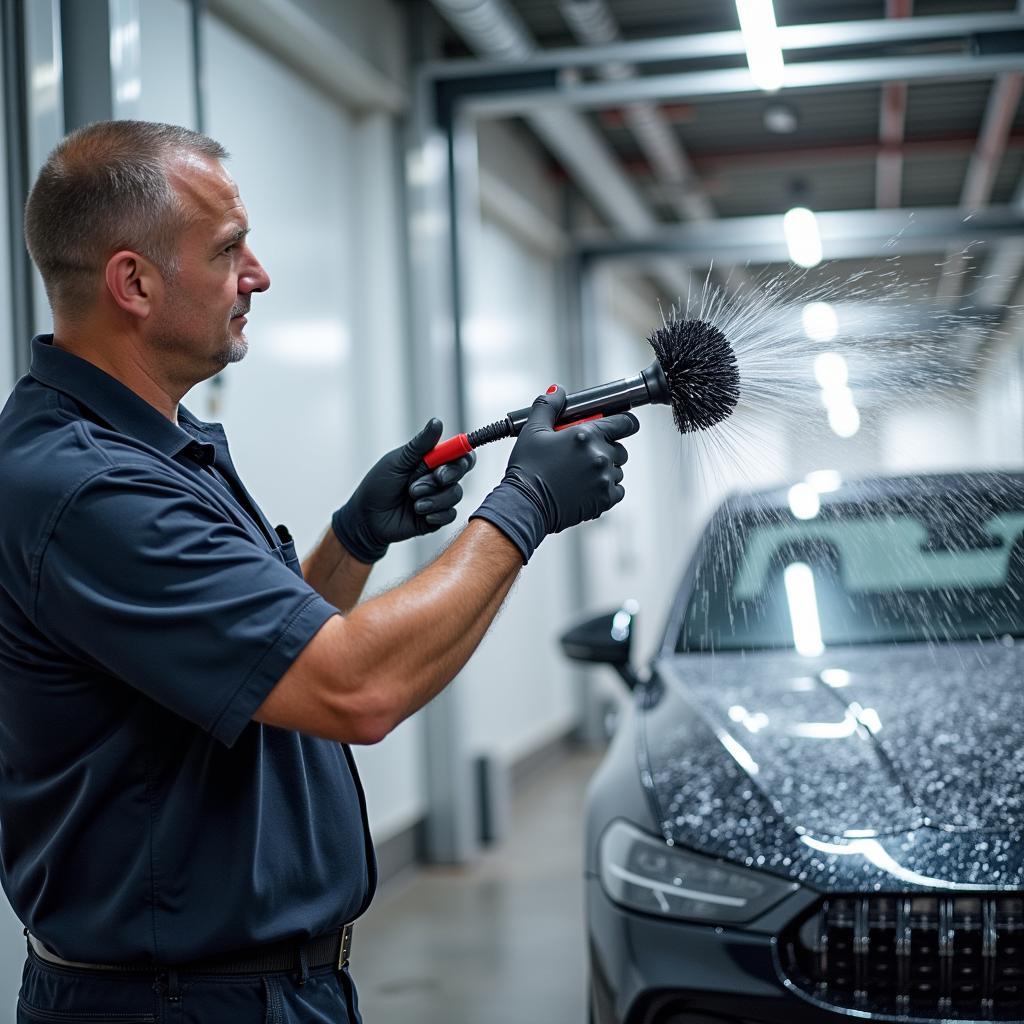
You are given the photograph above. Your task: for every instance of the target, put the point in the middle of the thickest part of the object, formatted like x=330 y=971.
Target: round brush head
x=701 y=372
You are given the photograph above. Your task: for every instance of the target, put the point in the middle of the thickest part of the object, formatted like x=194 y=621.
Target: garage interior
x=463 y=201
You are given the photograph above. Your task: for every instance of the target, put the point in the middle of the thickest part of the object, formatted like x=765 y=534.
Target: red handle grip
x=448 y=451
x=576 y=423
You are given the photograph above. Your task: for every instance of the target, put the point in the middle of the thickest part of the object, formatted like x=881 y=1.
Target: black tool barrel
x=604 y=400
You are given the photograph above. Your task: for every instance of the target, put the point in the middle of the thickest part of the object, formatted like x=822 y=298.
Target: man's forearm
x=418 y=636
x=335 y=574
x=365 y=672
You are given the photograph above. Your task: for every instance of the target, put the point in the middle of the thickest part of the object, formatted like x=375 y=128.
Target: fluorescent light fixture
x=780 y=119
x=804 y=502
x=831 y=371
x=761 y=39
x=803 y=609
x=844 y=419
x=820 y=321
x=802 y=236
x=824 y=481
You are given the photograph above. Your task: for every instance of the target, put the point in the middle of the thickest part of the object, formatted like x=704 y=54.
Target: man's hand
x=558 y=478
x=399 y=498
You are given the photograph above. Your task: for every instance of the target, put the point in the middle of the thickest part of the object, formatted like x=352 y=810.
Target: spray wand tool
x=695 y=372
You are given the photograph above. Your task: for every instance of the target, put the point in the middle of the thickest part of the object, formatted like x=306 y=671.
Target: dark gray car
x=813 y=808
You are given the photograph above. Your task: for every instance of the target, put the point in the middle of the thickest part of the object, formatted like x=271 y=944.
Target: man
x=182 y=829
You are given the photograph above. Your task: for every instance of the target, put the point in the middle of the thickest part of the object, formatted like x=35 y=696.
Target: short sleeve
x=150 y=582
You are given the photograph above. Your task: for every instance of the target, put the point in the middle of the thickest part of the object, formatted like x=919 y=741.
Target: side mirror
x=606 y=639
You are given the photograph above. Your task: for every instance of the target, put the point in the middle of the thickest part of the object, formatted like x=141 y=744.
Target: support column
x=432 y=155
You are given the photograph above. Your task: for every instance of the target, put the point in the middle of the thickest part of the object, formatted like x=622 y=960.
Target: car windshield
x=941 y=568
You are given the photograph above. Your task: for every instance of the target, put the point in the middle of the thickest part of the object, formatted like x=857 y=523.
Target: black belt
x=333 y=948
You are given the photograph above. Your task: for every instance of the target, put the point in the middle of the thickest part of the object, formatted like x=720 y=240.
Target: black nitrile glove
x=556 y=479
x=400 y=498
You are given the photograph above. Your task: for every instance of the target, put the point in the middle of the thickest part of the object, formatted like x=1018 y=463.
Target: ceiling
x=646 y=18
x=829 y=159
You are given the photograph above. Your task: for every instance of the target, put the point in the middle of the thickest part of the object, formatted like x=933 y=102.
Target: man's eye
x=230 y=248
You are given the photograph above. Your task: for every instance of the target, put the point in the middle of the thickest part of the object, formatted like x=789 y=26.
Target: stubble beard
x=237 y=348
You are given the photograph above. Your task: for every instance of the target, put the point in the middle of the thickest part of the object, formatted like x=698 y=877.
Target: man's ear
x=133 y=282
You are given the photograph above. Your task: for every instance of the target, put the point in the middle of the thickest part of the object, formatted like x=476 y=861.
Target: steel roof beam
x=889 y=161
x=880 y=31
x=891 y=117
x=1002 y=105
x=737 y=81
x=1006 y=263
x=845 y=234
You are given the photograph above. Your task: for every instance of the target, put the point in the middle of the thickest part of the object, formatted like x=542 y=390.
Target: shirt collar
x=114 y=403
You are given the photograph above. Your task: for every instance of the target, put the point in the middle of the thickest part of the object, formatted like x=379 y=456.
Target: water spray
x=695 y=373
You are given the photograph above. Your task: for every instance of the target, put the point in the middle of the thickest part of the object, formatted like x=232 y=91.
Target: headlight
x=643 y=872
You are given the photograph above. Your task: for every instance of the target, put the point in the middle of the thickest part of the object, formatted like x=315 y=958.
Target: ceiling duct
x=593 y=23
x=493 y=29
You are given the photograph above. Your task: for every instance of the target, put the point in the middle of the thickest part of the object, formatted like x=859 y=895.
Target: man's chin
x=238 y=346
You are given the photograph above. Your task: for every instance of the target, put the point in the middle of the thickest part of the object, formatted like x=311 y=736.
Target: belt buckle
x=345 y=947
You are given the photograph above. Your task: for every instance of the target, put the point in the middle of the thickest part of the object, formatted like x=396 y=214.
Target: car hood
x=866 y=768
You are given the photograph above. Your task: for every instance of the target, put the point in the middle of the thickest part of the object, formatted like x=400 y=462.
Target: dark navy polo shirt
x=147 y=608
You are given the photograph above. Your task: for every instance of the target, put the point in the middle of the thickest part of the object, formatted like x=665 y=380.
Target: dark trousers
x=51 y=994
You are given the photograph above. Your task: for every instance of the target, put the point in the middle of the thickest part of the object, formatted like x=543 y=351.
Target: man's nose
x=253 y=278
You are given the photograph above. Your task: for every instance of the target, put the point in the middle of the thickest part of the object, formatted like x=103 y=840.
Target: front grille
x=959 y=957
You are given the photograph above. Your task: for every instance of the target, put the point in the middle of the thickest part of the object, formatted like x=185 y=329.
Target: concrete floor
x=500 y=941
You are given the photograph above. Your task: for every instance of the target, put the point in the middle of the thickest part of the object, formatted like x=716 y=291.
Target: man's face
x=200 y=323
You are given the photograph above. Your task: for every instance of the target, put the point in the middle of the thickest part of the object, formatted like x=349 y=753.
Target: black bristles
x=701 y=370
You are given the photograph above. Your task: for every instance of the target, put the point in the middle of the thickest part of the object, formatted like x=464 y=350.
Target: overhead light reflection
x=832 y=374
x=825 y=480
x=803 y=609
x=804 y=502
x=854 y=717
x=825 y=730
x=751 y=722
x=869 y=718
x=835 y=677
x=873 y=851
x=844 y=419
x=740 y=753
x=831 y=371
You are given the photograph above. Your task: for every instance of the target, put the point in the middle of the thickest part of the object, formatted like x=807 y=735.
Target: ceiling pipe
x=593 y=24
x=891 y=118
x=491 y=28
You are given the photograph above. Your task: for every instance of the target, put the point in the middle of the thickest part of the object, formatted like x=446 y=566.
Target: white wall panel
x=165 y=42
x=373 y=28
x=287 y=406
x=1000 y=426
x=935 y=436
x=518 y=687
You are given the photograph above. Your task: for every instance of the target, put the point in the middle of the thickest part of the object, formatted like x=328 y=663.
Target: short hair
x=104 y=188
